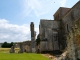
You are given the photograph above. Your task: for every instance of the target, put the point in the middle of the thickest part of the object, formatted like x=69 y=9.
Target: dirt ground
x=51 y=57
x=57 y=57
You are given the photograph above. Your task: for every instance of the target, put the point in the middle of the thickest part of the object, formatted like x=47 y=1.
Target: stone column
x=12 y=50
x=32 y=37
x=21 y=48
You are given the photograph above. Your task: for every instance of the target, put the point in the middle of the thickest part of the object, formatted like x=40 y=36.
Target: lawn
x=5 y=55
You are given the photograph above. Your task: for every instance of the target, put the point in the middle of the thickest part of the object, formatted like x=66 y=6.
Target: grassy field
x=5 y=55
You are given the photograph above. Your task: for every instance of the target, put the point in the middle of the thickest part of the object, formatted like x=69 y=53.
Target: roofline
x=59 y=9
x=70 y=9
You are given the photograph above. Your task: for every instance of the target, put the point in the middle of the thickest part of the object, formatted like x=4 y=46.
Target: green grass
x=20 y=56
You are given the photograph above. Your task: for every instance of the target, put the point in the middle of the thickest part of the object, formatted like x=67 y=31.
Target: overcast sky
x=16 y=15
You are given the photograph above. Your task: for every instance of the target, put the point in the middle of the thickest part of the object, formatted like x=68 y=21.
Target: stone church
x=62 y=33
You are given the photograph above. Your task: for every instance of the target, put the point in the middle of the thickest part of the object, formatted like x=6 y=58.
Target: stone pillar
x=12 y=50
x=71 y=46
x=21 y=48
x=32 y=37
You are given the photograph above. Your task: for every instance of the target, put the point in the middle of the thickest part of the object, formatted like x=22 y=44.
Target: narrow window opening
x=67 y=28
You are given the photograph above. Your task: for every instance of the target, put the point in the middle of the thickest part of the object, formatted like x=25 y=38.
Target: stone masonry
x=62 y=32
x=33 y=44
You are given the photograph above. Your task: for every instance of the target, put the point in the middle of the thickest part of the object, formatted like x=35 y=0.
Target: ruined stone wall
x=73 y=41
x=57 y=16
x=45 y=32
x=43 y=46
x=43 y=25
x=70 y=17
x=24 y=46
x=46 y=29
x=60 y=12
x=48 y=36
x=27 y=46
x=68 y=20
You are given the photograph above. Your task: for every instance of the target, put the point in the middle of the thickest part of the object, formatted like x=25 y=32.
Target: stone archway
x=22 y=47
x=15 y=47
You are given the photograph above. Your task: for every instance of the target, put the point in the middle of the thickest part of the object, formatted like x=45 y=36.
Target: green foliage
x=38 y=41
x=7 y=45
x=11 y=44
x=4 y=44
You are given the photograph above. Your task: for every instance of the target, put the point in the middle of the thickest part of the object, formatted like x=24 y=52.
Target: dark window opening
x=67 y=28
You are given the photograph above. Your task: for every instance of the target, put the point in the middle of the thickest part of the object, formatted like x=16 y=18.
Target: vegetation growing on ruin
x=38 y=40
x=77 y=40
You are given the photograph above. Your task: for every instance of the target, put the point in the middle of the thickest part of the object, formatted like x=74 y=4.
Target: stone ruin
x=73 y=41
x=33 y=41
x=27 y=46
x=63 y=33
x=59 y=35
x=23 y=47
x=12 y=50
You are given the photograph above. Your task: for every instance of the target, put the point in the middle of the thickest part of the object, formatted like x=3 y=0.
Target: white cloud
x=14 y=33
x=40 y=7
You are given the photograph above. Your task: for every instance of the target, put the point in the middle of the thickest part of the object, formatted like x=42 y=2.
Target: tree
x=38 y=41
x=7 y=45
x=4 y=44
x=11 y=44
